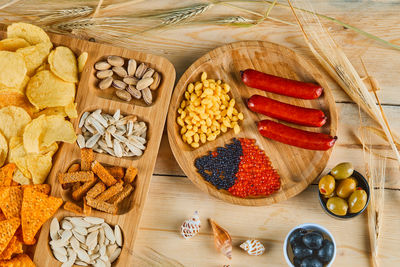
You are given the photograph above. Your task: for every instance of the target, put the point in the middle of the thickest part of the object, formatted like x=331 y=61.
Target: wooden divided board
x=297 y=167
x=90 y=98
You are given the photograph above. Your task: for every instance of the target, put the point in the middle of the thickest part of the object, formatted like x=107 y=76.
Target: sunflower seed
x=54 y=227
x=81 y=141
x=115 y=255
x=120 y=85
x=156 y=82
x=117 y=149
x=137 y=144
x=102 y=65
x=130 y=80
x=100 y=119
x=115 y=61
x=130 y=128
x=131 y=67
x=105 y=83
x=99 y=128
x=118 y=235
x=93 y=140
x=120 y=71
x=135 y=150
x=124 y=95
x=140 y=71
x=147 y=96
x=134 y=92
x=83 y=119
x=120 y=138
x=102 y=74
x=143 y=83
x=128 y=118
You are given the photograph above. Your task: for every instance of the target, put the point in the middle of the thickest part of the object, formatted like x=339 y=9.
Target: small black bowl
x=362 y=183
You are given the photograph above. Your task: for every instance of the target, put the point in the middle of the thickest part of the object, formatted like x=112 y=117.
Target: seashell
x=130 y=80
x=66 y=225
x=102 y=74
x=81 y=141
x=102 y=65
x=253 y=247
x=120 y=85
x=140 y=71
x=156 y=82
x=134 y=92
x=60 y=257
x=93 y=140
x=105 y=83
x=222 y=239
x=147 y=96
x=83 y=119
x=115 y=61
x=149 y=73
x=54 y=227
x=118 y=235
x=131 y=67
x=94 y=220
x=191 y=227
x=124 y=95
x=120 y=71
x=115 y=255
x=143 y=83
x=108 y=232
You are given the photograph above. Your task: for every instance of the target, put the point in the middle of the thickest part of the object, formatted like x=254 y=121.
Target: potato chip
x=43 y=188
x=20 y=178
x=34 y=56
x=82 y=61
x=13 y=121
x=16 y=99
x=63 y=64
x=71 y=111
x=20 y=89
x=37 y=208
x=7 y=231
x=31 y=33
x=51 y=111
x=12 y=69
x=44 y=66
x=21 y=260
x=11 y=200
x=3 y=149
x=32 y=133
x=17 y=155
x=13 y=247
x=39 y=166
x=12 y=44
x=49 y=150
x=6 y=174
x=47 y=90
x=57 y=129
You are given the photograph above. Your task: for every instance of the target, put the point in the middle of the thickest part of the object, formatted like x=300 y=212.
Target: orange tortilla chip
x=2 y=216
x=6 y=174
x=14 y=247
x=130 y=174
x=87 y=157
x=43 y=188
x=36 y=209
x=7 y=231
x=11 y=200
x=22 y=260
x=72 y=207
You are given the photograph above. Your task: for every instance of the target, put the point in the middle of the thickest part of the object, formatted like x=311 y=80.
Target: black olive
x=296 y=262
x=313 y=240
x=311 y=262
x=300 y=251
x=296 y=234
x=325 y=253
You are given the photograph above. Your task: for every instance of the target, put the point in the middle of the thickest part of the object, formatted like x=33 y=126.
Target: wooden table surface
x=173 y=198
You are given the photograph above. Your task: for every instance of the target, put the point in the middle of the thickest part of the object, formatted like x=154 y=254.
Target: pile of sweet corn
x=206 y=111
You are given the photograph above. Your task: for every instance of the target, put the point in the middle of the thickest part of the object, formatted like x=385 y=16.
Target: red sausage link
x=286 y=112
x=282 y=86
x=295 y=137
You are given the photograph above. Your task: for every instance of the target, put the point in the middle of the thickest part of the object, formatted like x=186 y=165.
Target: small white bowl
x=287 y=251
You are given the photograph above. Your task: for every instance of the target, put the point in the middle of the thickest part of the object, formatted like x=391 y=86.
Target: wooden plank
x=173 y=199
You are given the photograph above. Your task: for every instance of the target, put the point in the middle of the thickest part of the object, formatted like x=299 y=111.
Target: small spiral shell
x=191 y=227
x=253 y=247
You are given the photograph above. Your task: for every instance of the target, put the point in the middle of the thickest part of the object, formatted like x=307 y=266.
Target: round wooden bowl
x=297 y=167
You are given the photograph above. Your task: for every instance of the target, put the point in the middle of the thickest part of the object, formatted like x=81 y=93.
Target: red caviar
x=256 y=175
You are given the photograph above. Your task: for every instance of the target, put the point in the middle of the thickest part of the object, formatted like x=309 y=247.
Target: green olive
x=326 y=185
x=346 y=187
x=357 y=201
x=342 y=170
x=337 y=206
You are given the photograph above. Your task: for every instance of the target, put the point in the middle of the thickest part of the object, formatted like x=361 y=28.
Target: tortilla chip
x=2 y=216
x=14 y=247
x=11 y=200
x=22 y=260
x=20 y=178
x=36 y=209
x=7 y=231
x=6 y=174
x=42 y=188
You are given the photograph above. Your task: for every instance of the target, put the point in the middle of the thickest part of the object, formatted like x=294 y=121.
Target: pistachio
x=134 y=92
x=131 y=67
x=140 y=71
x=115 y=61
x=120 y=71
x=131 y=80
x=147 y=96
x=102 y=65
x=124 y=95
x=119 y=84
x=143 y=83
x=102 y=74
x=149 y=72
x=106 y=83
x=156 y=82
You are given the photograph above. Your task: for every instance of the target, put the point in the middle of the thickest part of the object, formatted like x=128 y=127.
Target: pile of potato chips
x=37 y=92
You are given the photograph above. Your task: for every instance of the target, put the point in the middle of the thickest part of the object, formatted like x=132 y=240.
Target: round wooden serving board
x=297 y=167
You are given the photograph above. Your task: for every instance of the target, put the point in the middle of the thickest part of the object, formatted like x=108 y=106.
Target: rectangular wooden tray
x=90 y=98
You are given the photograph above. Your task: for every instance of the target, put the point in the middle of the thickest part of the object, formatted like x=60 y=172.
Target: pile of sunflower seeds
x=85 y=241
x=129 y=78
x=117 y=135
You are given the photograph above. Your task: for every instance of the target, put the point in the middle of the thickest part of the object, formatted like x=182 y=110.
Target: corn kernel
x=226 y=122
x=195 y=129
x=229 y=111
x=196 y=137
x=198 y=93
x=195 y=145
x=180 y=121
x=232 y=102
x=189 y=133
x=203 y=76
x=187 y=95
x=189 y=139
x=198 y=86
x=183 y=104
x=193 y=97
x=208 y=122
x=183 y=115
x=203 y=138
x=188 y=121
x=212 y=86
x=203 y=122
x=203 y=116
x=213 y=128
x=236 y=129
x=234 y=118
x=190 y=87
x=189 y=127
x=211 y=137
x=224 y=129
x=203 y=128
x=183 y=130
x=197 y=102
x=217 y=132
x=180 y=111
x=208 y=131
x=218 y=116
x=184 y=138
x=206 y=83
x=219 y=82
x=240 y=116
x=235 y=112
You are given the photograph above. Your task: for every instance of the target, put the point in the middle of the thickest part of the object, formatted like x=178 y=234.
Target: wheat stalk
x=181 y=14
